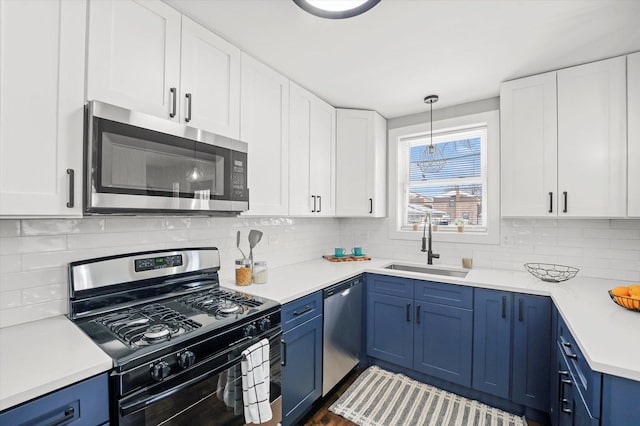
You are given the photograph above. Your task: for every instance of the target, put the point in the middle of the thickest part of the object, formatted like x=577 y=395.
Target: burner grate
x=147 y=325
x=220 y=303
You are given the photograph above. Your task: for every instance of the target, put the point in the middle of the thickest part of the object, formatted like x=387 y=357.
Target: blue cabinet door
x=492 y=312
x=390 y=328
x=531 y=351
x=620 y=401
x=443 y=342
x=301 y=369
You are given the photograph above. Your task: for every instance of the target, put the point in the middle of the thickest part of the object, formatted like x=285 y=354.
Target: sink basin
x=458 y=273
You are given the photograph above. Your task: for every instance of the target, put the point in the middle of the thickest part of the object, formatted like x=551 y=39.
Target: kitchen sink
x=458 y=273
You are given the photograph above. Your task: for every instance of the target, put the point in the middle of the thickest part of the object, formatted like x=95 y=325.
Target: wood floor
x=321 y=416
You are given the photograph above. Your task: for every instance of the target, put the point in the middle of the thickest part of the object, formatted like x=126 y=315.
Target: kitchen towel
x=255 y=382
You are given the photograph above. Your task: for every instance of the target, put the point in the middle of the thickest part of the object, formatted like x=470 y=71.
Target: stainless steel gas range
x=174 y=335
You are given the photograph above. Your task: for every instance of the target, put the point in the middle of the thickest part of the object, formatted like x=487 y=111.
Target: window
x=455 y=194
x=465 y=190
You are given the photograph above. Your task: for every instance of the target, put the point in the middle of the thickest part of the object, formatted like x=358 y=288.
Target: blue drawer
x=300 y=310
x=85 y=403
x=444 y=294
x=392 y=286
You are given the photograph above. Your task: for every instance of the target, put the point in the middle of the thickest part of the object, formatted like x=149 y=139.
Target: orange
x=634 y=289
x=620 y=291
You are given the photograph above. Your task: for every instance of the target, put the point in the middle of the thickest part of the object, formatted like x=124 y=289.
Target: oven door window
x=205 y=396
x=137 y=161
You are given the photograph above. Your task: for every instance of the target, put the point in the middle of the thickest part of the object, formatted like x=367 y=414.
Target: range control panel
x=157 y=262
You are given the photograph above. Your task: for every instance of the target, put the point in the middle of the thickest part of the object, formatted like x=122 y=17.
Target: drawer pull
x=408 y=312
x=520 y=310
x=418 y=314
x=69 y=413
x=303 y=311
x=504 y=306
x=566 y=348
x=564 y=400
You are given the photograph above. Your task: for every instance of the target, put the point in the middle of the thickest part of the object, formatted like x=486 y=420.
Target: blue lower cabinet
x=84 y=403
x=492 y=315
x=443 y=341
x=620 y=401
x=390 y=328
x=301 y=369
x=531 y=352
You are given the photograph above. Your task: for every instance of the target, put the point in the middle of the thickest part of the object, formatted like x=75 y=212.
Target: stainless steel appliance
x=138 y=163
x=174 y=335
x=342 y=336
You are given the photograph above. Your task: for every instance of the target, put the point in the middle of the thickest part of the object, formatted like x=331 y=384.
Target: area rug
x=381 y=398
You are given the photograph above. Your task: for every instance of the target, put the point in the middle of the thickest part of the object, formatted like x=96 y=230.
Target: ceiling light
x=431 y=160
x=336 y=9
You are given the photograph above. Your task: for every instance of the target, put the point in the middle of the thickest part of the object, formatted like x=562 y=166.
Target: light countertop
x=42 y=356
x=606 y=333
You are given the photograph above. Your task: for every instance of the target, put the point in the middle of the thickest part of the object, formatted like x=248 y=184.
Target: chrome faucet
x=430 y=254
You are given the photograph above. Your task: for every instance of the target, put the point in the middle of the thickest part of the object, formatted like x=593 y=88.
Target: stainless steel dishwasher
x=342 y=337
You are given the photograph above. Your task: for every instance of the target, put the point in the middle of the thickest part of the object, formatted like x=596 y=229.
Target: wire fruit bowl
x=550 y=272
x=626 y=302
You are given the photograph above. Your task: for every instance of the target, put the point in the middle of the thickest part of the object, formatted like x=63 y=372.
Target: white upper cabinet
x=312 y=154
x=41 y=80
x=633 y=134
x=361 y=164
x=586 y=145
x=529 y=165
x=264 y=125
x=210 y=81
x=147 y=57
x=134 y=56
x=592 y=139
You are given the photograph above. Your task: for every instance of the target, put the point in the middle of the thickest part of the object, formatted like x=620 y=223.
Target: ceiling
x=391 y=57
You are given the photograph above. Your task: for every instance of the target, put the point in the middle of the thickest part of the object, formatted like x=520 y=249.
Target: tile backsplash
x=34 y=252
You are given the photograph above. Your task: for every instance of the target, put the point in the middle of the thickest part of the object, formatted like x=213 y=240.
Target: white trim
x=492 y=121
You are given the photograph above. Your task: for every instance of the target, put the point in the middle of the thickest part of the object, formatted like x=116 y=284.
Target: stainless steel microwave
x=140 y=164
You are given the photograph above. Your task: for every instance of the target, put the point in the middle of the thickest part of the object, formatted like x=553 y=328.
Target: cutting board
x=347 y=258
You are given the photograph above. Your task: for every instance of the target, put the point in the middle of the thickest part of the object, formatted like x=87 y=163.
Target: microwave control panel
x=239 y=191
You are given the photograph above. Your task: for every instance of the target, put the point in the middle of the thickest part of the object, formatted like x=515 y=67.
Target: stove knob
x=265 y=324
x=160 y=371
x=250 y=330
x=186 y=359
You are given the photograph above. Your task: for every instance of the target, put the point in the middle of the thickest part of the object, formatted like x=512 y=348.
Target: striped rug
x=381 y=398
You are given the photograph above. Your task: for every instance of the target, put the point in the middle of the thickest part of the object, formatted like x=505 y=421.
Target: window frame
x=398 y=170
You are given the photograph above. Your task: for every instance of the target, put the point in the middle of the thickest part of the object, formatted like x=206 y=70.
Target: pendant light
x=431 y=159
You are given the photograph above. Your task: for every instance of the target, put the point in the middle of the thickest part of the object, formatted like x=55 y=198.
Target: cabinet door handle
x=174 y=100
x=303 y=311
x=566 y=348
x=563 y=382
x=504 y=306
x=189 y=100
x=71 y=175
x=314 y=204
x=520 y=310
x=418 y=314
x=283 y=350
x=69 y=413
x=319 y=204
x=408 y=312
x=564 y=194
x=551 y=202
x=370 y=205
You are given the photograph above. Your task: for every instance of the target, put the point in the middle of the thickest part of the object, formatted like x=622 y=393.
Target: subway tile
x=9 y=228
x=612 y=274
x=10 y=263
x=163 y=236
x=618 y=234
x=625 y=224
x=10 y=299
x=625 y=244
x=42 y=294
x=27 y=313
x=62 y=226
x=119 y=224
x=27 y=279
x=32 y=244
x=114 y=239
x=36 y=261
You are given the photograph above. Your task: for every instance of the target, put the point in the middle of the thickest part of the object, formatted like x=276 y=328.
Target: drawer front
x=85 y=403
x=300 y=310
x=444 y=294
x=392 y=286
x=588 y=382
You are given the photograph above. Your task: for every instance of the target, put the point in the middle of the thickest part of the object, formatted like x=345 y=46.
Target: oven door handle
x=143 y=402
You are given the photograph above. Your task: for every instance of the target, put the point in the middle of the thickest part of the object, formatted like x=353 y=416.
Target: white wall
x=601 y=248
x=34 y=253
